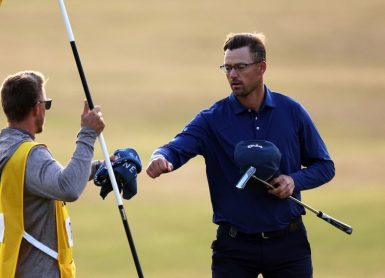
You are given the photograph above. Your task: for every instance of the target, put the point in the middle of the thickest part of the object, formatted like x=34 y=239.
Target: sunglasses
x=47 y=103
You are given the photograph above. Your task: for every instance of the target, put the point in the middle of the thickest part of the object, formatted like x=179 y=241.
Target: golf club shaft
x=114 y=184
x=336 y=223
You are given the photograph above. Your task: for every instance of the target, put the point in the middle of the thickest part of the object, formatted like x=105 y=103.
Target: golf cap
x=261 y=154
x=126 y=167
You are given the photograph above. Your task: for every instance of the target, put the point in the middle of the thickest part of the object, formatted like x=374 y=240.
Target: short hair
x=255 y=42
x=20 y=92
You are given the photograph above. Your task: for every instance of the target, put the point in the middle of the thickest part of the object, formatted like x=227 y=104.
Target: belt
x=235 y=233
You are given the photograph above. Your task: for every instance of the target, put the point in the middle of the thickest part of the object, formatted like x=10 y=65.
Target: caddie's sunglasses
x=47 y=103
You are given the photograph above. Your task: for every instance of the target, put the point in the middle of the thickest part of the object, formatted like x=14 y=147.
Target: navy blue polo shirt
x=215 y=131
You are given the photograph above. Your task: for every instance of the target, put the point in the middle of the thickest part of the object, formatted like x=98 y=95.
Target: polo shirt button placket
x=256 y=119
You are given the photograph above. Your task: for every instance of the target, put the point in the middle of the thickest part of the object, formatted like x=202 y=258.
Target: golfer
x=259 y=231
x=35 y=229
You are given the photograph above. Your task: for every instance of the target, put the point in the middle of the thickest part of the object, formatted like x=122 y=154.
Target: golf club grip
x=338 y=224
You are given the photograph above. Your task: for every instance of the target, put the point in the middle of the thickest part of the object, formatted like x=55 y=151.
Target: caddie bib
x=12 y=219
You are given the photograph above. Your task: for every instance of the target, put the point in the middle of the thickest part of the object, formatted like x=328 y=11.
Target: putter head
x=245 y=178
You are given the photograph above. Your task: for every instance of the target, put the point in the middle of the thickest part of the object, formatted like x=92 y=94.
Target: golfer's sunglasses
x=47 y=103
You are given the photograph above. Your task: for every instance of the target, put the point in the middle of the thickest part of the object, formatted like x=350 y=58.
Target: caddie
x=35 y=228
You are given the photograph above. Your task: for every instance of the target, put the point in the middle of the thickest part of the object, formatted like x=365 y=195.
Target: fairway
x=154 y=65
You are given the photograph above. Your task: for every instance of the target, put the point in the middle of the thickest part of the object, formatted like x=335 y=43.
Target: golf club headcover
x=261 y=154
x=126 y=167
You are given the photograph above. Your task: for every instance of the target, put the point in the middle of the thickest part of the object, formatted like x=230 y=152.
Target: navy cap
x=126 y=167
x=261 y=154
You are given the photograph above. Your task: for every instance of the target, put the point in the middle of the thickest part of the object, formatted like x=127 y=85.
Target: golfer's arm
x=316 y=174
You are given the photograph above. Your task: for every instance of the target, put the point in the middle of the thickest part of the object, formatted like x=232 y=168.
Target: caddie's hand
x=284 y=186
x=158 y=166
x=92 y=118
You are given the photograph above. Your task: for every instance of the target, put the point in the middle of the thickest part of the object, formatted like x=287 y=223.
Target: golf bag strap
x=42 y=247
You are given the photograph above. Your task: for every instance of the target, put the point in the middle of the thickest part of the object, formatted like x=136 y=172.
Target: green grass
x=360 y=254
x=154 y=65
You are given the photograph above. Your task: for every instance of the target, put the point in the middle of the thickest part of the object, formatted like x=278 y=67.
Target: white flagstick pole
x=118 y=198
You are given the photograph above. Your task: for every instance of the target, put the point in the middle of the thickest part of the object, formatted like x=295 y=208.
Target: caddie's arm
x=45 y=177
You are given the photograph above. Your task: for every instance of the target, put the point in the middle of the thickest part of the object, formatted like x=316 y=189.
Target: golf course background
x=153 y=65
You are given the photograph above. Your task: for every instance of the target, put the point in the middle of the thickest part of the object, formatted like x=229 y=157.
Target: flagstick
x=118 y=198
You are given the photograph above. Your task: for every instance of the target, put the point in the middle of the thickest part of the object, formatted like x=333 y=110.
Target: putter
x=336 y=223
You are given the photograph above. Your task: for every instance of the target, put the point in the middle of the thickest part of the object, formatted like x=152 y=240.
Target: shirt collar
x=24 y=131
x=268 y=101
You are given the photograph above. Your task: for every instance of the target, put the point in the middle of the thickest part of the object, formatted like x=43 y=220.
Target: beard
x=39 y=123
x=240 y=90
x=241 y=93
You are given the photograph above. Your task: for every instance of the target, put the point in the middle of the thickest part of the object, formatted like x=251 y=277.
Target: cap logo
x=255 y=146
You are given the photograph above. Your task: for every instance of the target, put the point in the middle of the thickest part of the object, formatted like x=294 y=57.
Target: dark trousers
x=246 y=256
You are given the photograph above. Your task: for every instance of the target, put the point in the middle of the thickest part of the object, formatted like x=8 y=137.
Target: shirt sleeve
x=47 y=178
x=318 y=167
x=185 y=145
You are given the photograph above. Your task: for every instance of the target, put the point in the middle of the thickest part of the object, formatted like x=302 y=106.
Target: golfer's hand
x=284 y=186
x=92 y=118
x=157 y=166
